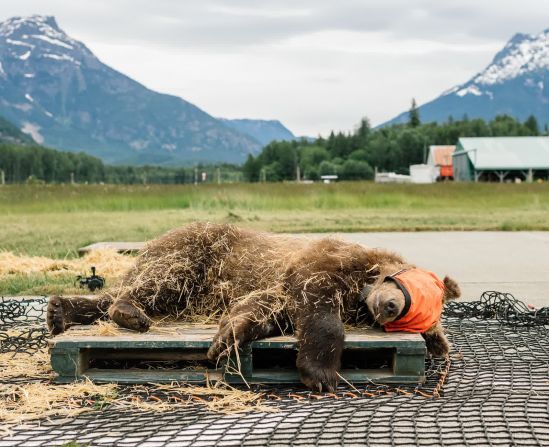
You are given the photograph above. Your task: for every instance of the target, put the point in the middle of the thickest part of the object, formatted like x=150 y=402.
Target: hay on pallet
x=107 y=328
x=195 y=273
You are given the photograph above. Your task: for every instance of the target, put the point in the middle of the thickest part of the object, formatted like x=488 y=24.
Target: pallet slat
x=398 y=357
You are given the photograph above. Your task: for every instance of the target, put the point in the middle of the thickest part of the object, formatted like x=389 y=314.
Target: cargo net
x=493 y=390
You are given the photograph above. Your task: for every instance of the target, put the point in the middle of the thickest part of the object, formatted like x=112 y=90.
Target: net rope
x=492 y=390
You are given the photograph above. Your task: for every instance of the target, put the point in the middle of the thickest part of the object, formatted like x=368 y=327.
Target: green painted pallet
x=178 y=353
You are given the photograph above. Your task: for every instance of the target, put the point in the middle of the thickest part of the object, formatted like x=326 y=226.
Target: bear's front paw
x=319 y=378
x=127 y=315
x=228 y=336
x=56 y=317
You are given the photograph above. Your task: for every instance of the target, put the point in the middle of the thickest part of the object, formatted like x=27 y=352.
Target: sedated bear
x=260 y=284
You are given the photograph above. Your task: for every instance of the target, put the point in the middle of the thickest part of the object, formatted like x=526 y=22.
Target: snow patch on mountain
x=524 y=53
x=53 y=41
x=40 y=34
x=61 y=57
x=513 y=83
x=33 y=130
x=471 y=90
x=47 y=79
x=20 y=43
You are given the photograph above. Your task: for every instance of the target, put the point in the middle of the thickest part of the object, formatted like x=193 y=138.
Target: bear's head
x=385 y=301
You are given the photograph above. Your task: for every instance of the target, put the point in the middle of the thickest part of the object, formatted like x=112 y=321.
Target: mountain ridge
x=264 y=131
x=513 y=83
x=55 y=89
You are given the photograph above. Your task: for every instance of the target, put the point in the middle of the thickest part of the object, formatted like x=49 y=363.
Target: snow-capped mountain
x=515 y=83
x=55 y=89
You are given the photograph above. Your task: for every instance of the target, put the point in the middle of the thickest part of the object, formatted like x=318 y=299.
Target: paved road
x=516 y=262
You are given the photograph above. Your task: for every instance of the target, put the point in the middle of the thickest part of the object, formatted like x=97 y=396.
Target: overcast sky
x=316 y=65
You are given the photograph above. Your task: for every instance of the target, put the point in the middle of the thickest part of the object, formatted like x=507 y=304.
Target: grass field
x=54 y=220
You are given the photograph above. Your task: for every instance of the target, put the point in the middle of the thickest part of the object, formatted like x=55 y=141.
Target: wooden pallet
x=120 y=247
x=370 y=354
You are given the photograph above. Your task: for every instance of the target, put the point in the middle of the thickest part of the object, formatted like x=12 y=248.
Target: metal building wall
x=463 y=168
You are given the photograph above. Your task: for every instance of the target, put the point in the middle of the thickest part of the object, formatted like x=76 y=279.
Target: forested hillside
x=351 y=156
x=392 y=148
x=9 y=133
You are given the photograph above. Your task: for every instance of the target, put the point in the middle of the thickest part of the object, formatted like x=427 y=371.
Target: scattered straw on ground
x=38 y=398
x=108 y=262
x=35 y=366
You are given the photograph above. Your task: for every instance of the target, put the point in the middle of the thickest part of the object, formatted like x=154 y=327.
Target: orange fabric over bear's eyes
x=426 y=292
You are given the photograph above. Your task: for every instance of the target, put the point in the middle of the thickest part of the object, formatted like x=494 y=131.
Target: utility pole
x=218 y=174
x=297 y=174
x=196 y=175
x=2 y=177
x=72 y=178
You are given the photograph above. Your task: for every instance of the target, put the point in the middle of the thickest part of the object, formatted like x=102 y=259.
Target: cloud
x=314 y=64
x=225 y=24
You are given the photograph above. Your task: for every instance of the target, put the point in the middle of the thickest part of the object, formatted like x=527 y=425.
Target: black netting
x=494 y=390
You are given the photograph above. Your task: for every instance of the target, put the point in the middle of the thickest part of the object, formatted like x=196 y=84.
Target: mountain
x=264 y=131
x=9 y=133
x=515 y=83
x=56 y=90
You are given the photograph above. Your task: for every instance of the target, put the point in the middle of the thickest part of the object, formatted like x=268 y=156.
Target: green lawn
x=54 y=220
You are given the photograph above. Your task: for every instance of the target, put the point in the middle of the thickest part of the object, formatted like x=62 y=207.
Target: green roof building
x=501 y=159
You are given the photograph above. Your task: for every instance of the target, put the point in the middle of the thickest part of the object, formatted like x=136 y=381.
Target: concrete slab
x=515 y=262
x=120 y=247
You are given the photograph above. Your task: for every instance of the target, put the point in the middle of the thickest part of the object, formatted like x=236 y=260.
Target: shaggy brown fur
x=256 y=284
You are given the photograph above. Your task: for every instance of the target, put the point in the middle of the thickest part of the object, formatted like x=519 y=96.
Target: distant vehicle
x=329 y=178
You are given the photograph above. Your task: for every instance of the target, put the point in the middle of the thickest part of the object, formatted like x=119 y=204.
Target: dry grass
x=33 y=396
x=107 y=261
x=29 y=401
x=54 y=220
x=39 y=275
x=35 y=366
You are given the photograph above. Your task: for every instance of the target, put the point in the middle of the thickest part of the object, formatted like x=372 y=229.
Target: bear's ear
x=451 y=289
x=366 y=290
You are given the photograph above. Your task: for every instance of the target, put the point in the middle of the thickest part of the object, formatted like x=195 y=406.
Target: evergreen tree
x=363 y=132
x=413 y=115
x=532 y=125
x=251 y=169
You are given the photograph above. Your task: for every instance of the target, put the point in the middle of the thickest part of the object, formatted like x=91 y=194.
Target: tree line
x=350 y=156
x=36 y=164
x=393 y=148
